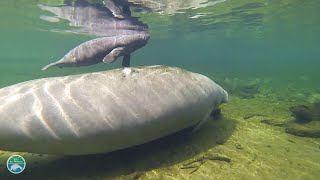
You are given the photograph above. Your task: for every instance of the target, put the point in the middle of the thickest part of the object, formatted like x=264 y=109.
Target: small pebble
x=239 y=146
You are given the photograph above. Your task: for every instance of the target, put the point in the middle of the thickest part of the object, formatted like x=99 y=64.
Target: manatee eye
x=141 y=37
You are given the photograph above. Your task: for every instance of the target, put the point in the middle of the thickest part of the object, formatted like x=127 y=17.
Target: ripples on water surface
x=264 y=52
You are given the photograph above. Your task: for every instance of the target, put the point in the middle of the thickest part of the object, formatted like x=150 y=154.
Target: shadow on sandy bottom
x=129 y=163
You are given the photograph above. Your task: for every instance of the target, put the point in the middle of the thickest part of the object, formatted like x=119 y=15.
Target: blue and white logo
x=16 y=164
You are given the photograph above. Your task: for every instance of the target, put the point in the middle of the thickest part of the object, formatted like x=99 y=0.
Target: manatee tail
x=49 y=66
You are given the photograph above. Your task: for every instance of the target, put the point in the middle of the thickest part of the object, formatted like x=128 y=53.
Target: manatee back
x=104 y=111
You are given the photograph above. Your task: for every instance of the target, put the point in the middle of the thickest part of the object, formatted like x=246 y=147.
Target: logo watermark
x=16 y=164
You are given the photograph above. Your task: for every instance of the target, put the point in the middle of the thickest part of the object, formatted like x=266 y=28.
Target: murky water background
x=269 y=47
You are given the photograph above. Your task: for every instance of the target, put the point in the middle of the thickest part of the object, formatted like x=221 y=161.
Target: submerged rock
x=304 y=114
x=273 y=123
x=306 y=121
x=303 y=132
x=104 y=111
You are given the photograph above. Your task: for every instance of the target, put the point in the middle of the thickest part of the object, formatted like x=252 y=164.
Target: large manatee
x=104 y=111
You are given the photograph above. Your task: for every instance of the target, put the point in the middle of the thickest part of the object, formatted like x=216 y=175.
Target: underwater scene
x=264 y=53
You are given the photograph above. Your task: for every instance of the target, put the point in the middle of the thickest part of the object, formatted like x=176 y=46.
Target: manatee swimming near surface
x=105 y=49
x=104 y=111
x=118 y=33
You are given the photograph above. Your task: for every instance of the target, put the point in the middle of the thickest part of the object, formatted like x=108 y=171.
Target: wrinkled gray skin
x=104 y=111
x=105 y=49
x=119 y=33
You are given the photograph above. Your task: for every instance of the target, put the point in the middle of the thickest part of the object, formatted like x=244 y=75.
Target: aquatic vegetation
x=200 y=161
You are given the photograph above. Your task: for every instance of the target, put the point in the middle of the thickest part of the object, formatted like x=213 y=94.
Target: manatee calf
x=119 y=33
x=106 y=49
x=104 y=111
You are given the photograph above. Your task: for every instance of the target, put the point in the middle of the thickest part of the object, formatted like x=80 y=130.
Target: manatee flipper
x=126 y=61
x=113 y=55
x=201 y=122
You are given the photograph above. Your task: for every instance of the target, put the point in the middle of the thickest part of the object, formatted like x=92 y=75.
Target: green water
x=272 y=46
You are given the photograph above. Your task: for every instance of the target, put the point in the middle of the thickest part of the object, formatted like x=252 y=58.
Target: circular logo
x=16 y=164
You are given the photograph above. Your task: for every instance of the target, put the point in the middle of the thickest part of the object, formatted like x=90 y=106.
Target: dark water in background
x=236 y=38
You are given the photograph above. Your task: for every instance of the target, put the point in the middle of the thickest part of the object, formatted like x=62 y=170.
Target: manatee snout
x=145 y=36
x=141 y=37
x=225 y=97
x=137 y=40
